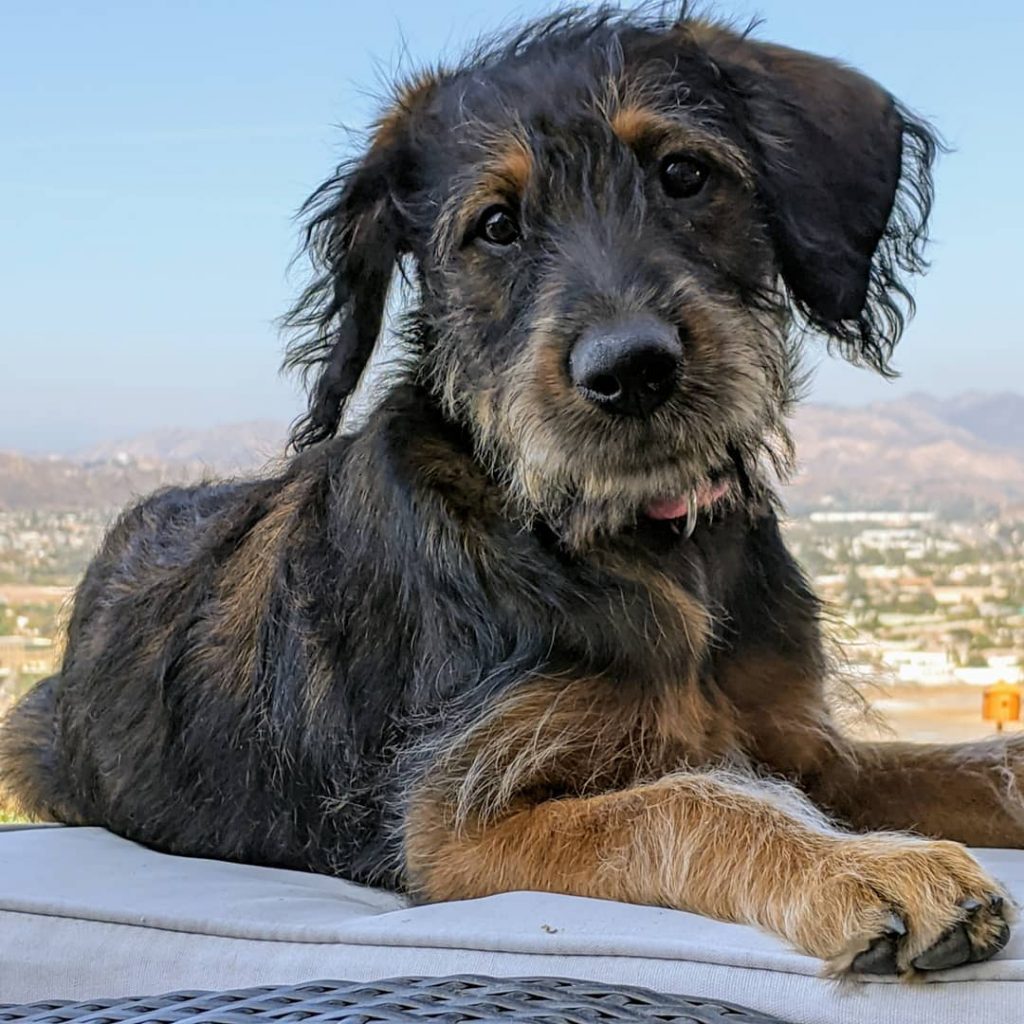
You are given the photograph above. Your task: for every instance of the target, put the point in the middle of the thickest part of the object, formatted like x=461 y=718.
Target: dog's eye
x=497 y=225
x=682 y=177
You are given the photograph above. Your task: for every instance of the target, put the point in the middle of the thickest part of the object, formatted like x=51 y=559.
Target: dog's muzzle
x=628 y=367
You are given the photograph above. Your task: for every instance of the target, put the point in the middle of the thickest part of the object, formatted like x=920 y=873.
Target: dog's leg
x=731 y=848
x=970 y=792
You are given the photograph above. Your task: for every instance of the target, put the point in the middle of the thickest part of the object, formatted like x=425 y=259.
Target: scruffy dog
x=533 y=626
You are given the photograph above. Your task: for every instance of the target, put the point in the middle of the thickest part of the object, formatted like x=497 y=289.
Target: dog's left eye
x=497 y=225
x=682 y=177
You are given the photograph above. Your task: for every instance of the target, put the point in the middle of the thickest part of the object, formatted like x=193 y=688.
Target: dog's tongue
x=668 y=508
x=678 y=507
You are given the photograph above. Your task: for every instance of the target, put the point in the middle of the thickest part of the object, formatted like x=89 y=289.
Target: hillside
x=954 y=455
x=951 y=455
x=234 y=447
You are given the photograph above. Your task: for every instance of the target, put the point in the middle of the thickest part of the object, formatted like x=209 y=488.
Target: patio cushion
x=85 y=914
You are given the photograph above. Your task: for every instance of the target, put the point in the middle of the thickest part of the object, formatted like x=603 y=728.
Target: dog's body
x=379 y=573
x=533 y=625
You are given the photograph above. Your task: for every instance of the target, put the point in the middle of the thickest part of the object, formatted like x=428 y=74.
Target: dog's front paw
x=901 y=906
x=980 y=931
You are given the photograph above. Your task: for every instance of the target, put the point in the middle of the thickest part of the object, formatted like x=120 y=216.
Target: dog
x=532 y=625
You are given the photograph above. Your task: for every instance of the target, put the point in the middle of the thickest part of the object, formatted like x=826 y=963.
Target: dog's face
x=612 y=226
x=598 y=283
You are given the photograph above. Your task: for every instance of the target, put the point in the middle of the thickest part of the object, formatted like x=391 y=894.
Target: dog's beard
x=586 y=489
x=584 y=501
x=590 y=478
x=588 y=475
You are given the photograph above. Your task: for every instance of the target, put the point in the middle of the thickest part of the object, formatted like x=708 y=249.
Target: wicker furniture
x=464 y=998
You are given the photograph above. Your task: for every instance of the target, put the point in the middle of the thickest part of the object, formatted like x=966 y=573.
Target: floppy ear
x=845 y=178
x=354 y=239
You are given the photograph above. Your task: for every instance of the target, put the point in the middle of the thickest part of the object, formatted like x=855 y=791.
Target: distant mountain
x=58 y=484
x=234 y=447
x=105 y=477
x=996 y=420
x=955 y=455
x=952 y=455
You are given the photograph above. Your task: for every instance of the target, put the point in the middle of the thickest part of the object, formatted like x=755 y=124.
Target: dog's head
x=617 y=227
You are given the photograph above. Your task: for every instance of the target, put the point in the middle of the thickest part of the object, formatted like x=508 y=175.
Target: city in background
x=907 y=515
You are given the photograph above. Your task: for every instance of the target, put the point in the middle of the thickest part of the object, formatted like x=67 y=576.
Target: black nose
x=628 y=367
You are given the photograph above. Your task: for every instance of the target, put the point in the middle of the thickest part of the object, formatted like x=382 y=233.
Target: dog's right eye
x=682 y=176
x=497 y=225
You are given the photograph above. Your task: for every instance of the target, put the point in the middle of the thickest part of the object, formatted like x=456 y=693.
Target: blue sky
x=153 y=154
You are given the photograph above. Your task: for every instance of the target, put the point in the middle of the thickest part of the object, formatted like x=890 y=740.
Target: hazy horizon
x=83 y=444
x=154 y=156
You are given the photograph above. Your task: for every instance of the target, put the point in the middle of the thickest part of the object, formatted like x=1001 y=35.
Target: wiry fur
x=455 y=651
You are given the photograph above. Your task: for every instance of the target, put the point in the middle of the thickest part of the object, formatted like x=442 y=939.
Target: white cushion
x=85 y=914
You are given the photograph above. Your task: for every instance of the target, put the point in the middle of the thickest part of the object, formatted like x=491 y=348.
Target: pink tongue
x=668 y=508
x=676 y=508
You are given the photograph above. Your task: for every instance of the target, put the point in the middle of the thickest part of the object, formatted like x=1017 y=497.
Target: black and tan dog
x=533 y=625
